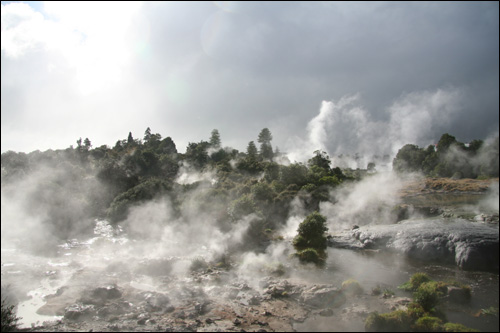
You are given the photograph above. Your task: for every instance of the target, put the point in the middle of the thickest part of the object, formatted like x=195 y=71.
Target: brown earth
x=422 y=185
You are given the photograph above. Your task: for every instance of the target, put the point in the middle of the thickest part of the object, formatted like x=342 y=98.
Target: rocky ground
x=207 y=303
x=439 y=220
x=471 y=246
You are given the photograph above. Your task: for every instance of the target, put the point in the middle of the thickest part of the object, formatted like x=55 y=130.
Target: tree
x=196 y=154
x=265 y=136
x=215 y=139
x=250 y=162
x=310 y=241
x=409 y=159
x=167 y=146
x=87 y=144
x=475 y=145
x=241 y=207
x=147 y=134
x=431 y=160
x=251 y=150
x=445 y=142
x=321 y=159
x=266 y=150
x=130 y=139
x=295 y=173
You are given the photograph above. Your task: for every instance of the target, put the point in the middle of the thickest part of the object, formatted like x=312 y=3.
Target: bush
x=311 y=255
x=428 y=294
x=9 y=320
x=198 y=265
x=352 y=287
x=146 y=190
x=415 y=281
x=241 y=207
x=415 y=310
x=396 y=321
x=428 y=324
x=311 y=233
x=452 y=327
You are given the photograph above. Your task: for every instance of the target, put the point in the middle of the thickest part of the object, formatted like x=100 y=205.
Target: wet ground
x=77 y=292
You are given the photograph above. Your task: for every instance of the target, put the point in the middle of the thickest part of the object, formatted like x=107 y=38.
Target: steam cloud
x=346 y=127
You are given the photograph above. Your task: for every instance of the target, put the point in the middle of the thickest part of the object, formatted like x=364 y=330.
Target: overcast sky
x=361 y=77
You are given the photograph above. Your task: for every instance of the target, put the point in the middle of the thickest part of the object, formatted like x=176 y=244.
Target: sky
x=344 y=77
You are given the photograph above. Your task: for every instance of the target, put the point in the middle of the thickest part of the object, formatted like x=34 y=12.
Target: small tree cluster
x=310 y=241
x=450 y=158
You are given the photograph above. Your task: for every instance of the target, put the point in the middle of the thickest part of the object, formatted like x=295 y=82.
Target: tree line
x=85 y=181
x=450 y=158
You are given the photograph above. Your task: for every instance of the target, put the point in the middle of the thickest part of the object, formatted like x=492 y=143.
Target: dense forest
x=68 y=188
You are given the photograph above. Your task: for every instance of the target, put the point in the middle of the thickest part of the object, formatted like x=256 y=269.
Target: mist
x=141 y=217
x=113 y=227
x=347 y=131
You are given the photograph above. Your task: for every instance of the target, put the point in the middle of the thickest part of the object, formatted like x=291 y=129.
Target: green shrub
x=428 y=324
x=376 y=290
x=428 y=294
x=415 y=281
x=311 y=233
x=352 y=287
x=452 y=327
x=415 y=310
x=491 y=311
x=146 y=190
x=276 y=269
x=311 y=255
x=241 y=207
x=373 y=322
x=198 y=264
x=396 y=321
x=386 y=292
x=262 y=192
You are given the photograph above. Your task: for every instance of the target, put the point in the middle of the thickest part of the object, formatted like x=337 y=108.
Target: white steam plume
x=346 y=127
x=360 y=203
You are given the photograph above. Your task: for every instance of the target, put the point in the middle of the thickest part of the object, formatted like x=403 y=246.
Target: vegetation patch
x=9 y=320
x=415 y=281
x=428 y=324
x=396 y=321
x=352 y=287
x=421 y=315
x=452 y=327
x=428 y=294
x=310 y=241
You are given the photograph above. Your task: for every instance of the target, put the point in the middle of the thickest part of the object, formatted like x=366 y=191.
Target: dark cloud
x=241 y=67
